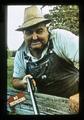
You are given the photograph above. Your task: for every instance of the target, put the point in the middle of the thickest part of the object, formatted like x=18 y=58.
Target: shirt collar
x=34 y=59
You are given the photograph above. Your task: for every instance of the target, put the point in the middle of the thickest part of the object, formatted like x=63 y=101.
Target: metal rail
x=30 y=90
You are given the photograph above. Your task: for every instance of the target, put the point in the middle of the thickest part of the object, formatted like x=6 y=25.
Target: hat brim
x=32 y=23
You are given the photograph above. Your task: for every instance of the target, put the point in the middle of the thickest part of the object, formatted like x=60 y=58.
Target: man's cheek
x=27 y=41
x=26 y=37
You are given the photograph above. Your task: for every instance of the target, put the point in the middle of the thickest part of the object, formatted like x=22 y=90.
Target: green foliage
x=9 y=71
x=65 y=17
x=9 y=53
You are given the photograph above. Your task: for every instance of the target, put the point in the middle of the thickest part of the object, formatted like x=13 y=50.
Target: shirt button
x=51 y=51
x=46 y=64
x=44 y=76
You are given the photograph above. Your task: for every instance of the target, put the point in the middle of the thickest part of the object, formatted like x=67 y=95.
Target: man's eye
x=39 y=31
x=28 y=32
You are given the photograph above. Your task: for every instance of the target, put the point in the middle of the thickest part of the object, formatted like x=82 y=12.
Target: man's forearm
x=21 y=83
x=17 y=83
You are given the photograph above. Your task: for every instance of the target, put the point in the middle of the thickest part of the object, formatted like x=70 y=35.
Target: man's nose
x=34 y=36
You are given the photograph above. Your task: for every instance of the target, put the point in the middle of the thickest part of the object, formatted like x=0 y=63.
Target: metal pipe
x=30 y=89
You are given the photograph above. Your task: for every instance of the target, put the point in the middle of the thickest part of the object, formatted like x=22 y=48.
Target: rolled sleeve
x=19 y=69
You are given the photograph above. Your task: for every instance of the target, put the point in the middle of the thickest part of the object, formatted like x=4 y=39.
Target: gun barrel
x=30 y=89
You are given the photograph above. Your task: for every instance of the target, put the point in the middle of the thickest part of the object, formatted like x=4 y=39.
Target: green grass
x=10 y=62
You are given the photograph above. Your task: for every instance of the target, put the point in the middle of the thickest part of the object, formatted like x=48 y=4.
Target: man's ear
x=47 y=28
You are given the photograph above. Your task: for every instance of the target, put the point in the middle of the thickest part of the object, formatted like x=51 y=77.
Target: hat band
x=33 y=18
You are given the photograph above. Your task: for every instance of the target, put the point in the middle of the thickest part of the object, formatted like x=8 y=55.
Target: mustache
x=37 y=40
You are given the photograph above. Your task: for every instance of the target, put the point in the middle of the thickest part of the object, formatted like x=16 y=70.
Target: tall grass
x=10 y=65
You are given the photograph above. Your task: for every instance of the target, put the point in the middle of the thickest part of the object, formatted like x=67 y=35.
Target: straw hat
x=32 y=16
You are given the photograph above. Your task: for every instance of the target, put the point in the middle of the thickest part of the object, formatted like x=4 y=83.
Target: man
x=50 y=57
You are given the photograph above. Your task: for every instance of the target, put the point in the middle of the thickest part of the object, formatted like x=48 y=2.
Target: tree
x=65 y=17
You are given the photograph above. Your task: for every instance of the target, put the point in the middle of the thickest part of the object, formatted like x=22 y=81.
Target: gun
x=31 y=91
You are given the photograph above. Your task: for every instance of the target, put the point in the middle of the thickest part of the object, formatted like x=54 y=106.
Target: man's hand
x=74 y=103
x=24 y=81
x=22 y=84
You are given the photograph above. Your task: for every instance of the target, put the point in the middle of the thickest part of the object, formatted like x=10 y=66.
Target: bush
x=10 y=63
x=65 y=17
